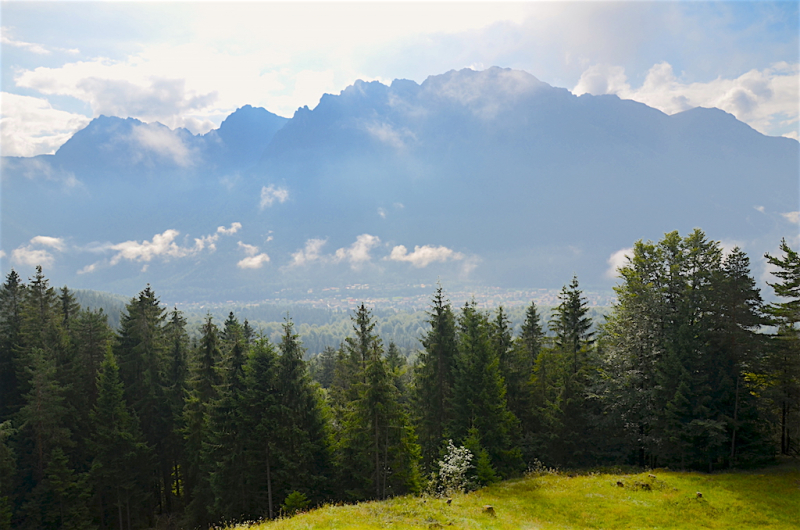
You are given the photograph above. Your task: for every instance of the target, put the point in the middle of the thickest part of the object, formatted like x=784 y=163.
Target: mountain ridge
x=500 y=178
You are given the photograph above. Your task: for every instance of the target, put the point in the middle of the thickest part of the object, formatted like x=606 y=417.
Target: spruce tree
x=12 y=293
x=434 y=379
x=783 y=362
x=120 y=468
x=479 y=394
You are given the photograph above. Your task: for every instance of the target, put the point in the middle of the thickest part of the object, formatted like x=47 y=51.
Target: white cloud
x=31 y=255
x=764 y=99
x=387 y=134
x=253 y=262
x=164 y=142
x=210 y=240
x=270 y=194
x=618 y=260
x=358 y=253
x=88 y=269
x=2 y=254
x=308 y=254
x=30 y=126
x=759 y=208
x=792 y=217
x=382 y=212
x=235 y=227
x=53 y=242
x=7 y=38
x=250 y=250
x=162 y=246
x=423 y=256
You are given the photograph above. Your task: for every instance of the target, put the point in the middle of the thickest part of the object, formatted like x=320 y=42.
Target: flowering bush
x=454 y=468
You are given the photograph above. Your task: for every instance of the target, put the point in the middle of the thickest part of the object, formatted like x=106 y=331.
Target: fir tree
x=434 y=379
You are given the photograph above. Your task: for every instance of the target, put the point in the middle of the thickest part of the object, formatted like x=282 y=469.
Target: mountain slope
x=497 y=177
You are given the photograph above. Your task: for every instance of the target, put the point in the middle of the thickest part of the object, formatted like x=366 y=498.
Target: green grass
x=766 y=498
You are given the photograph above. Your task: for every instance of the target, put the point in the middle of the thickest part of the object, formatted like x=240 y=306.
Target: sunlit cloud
x=163 y=142
x=7 y=38
x=792 y=217
x=616 y=261
x=358 y=253
x=765 y=99
x=424 y=255
x=163 y=246
x=30 y=126
x=310 y=253
x=270 y=194
x=33 y=254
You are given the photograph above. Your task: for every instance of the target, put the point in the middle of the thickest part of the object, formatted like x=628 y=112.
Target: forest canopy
x=122 y=428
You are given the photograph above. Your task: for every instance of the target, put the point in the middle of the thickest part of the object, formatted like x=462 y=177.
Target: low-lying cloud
x=163 y=246
x=163 y=142
x=424 y=255
x=358 y=253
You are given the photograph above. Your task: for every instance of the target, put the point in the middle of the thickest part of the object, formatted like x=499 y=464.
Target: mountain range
x=477 y=177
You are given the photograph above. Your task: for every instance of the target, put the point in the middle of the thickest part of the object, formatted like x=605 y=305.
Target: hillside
x=766 y=498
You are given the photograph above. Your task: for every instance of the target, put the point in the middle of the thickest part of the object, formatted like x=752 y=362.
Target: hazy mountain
x=506 y=180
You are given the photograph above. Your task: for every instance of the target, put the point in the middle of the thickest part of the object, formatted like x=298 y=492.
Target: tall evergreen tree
x=479 y=394
x=784 y=357
x=12 y=293
x=120 y=468
x=303 y=445
x=203 y=387
x=434 y=379
x=377 y=446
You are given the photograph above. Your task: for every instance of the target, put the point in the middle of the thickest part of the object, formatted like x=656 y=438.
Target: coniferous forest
x=141 y=426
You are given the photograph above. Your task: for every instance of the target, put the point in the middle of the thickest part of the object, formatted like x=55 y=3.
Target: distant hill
x=478 y=178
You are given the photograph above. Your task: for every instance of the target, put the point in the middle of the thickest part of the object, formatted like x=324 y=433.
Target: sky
x=190 y=64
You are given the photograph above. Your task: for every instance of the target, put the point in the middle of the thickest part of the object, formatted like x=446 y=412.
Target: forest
x=148 y=425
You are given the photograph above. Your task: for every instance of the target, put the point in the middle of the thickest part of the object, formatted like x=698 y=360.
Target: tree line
x=143 y=426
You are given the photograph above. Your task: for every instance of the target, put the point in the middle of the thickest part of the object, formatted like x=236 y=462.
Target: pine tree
x=572 y=367
x=434 y=378
x=120 y=469
x=260 y=416
x=203 y=387
x=303 y=441
x=11 y=296
x=784 y=356
x=520 y=379
x=8 y=476
x=479 y=394
x=377 y=446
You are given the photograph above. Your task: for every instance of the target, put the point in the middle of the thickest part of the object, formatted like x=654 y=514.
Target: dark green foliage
x=8 y=473
x=377 y=446
x=479 y=394
x=783 y=361
x=434 y=379
x=681 y=346
x=294 y=502
x=11 y=297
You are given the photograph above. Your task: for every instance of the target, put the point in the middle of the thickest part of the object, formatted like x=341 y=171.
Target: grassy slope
x=768 y=498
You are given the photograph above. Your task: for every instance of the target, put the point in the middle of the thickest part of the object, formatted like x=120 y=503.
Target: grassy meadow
x=765 y=498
